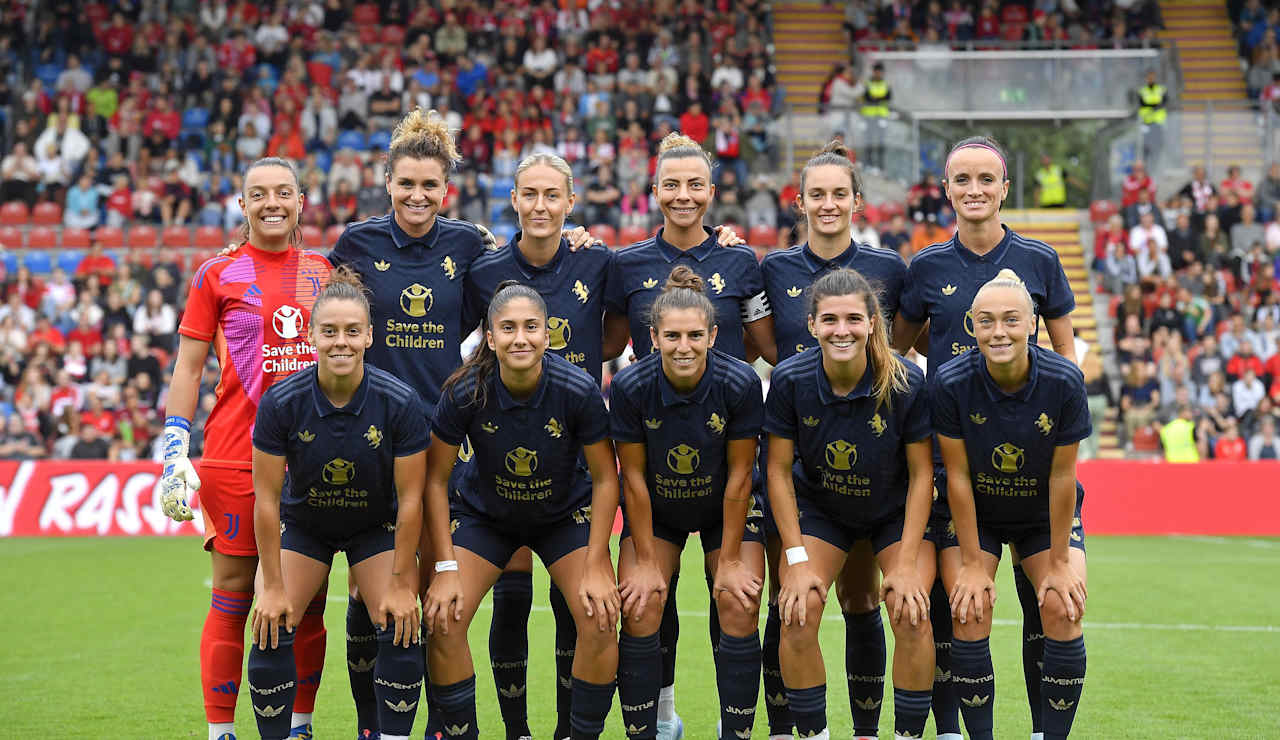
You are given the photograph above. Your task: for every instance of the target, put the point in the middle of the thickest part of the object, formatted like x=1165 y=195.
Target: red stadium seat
x=110 y=237
x=1012 y=31
x=332 y=233
x=74 y=238
x=1101 y=210
x=209 y=237
x=368 y=35
x=655 y=229
x=605 y=233
x=176 y=236
x=393 y=35
x=47 y=214
x=632 y=234
x=42 y=237
x=146 y=260
x=1146 y=440
x=14 y=213
x=10 y=237
x=872 y=214
x=1013 y=13
x=97 y=12
x=891 y=209
x=143 y=236
x=762 y=236
x=321 y=74
x=365 y=14
x=312 y=237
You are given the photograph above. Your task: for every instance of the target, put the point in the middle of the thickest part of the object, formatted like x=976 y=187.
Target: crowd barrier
x=99 y=498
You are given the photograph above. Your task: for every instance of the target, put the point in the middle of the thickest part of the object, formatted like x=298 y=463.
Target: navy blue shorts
x=1026 y=540
x=817 y=522
x=360 y=546
x=711 y=532
x=497 y=541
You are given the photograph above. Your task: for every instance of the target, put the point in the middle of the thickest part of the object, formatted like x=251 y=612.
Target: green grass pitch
x=101 y=640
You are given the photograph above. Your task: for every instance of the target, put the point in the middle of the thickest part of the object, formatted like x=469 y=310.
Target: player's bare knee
x=1053 y=615
x=593 y=641
x=919 y=634
x=971 y=629
x=645 y=622
x=735 y=619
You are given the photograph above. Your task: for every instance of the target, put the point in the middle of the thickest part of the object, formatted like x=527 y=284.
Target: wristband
x=797 y=555
x=446 y=565
x=178 y=421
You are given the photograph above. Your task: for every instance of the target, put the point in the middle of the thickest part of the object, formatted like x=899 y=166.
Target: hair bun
x=1007 y=274
x=675 y=140
x=683 y=277
x=836 y=147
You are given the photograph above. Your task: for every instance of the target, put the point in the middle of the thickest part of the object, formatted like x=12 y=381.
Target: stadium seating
x=176 y=236
x=207 y=237
x=332 y=233
x=631 y=235
x=14 y=213
x=76 y=238
x=47 y=213
x=605 y=233
x=11 y=237
x=70 y=260
x=110 y=237
x=38 y=262
x=42 y=237
x=762 y=236
x=312 y=237
x=142 y=236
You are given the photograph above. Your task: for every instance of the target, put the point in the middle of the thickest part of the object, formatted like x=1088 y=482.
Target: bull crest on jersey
x=877 y=425
x=717 y=283
x=374 y=436
x=580 y=291
x=450 y=268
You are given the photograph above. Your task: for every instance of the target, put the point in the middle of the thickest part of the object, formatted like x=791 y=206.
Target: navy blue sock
x=509 y=648
x=713 y=620
x=1063 y=682
x=738 y=678
x=946 y=708
x=975 y=684
x=456 y=703
x=362 y=650
x=433 y=712
x=639 y=667
x=775 y=694
x=591 y=704
x=1032 y=644
x=566 y=642
x=273 y=682
x=864 y=658
x=809 y=708
x=910 y=712
x=397 y=682
x=669 y=633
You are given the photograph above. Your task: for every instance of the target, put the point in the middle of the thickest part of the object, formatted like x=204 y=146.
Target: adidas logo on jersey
x=382 y=265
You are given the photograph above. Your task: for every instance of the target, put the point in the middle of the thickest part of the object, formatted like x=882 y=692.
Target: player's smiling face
x=684 y=191
x=341 y=333
x=842 y=324
x=542 y=199
x=829 y=201
x=271 y=204
x=976 y=184
x=1002 y=323
x=683 y=337
x=518 y=334
x=417 y=188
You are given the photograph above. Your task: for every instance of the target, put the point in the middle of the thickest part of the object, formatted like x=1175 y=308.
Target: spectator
x=1137 y=181
x=141 y=361
x=1143 y=205
x=540 y=63
x=1153 y=262
x=82 y=204
x=1139 y=399
x=1200 y=190
x=1230 y=446
x=897 y=237
x=13 y=338
x=603 y=198
x=762 y=205
x=110 y=362
x=1215 y=248
x=1145 y=231
x=18 y=441
x=1262 y=446
x=385 y=106
x=862 y=232
x=694 y=123
x=19 y=175
x=1238 y=334
x=1178 y=437
x=90 y=445
x=1183 y=242
x=1246 y=233
x=1242 y=360
x=1234 y=182
x=371 y=199
x=24 y=317
x=1247 y=392
x=55 y=171
x=59 y=295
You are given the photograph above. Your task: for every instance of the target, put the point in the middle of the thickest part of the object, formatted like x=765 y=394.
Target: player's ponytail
x=295 y=236
x=422 y=135
x=682 y=290
x=344 y=285
x=1007 y=278
x=480 y=366
x=890 y=372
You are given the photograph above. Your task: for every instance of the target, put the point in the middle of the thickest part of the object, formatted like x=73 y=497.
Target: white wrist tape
x=446 y=565
x=797 y=555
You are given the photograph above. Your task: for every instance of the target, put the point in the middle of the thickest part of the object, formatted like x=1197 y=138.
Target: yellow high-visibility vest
x=1053 y=187
x=1152 y=110
x=1178 y=438
x=877 y=91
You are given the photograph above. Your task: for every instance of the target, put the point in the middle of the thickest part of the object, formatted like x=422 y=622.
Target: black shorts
x=360 y=546
x=817 y=522
x=497 y=542
x=710 y=532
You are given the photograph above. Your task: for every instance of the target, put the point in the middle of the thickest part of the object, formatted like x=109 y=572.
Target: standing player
x=830 y=194
x=849 y=460
x=579 y=330
x=686 y=419
x=1009 y=419
x=684 y=190
x=252 y=306
x=353 y=439
x=942 y=282
x=529 y=415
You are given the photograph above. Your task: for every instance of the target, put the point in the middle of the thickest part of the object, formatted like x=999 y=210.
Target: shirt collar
x=670 y=252
x=828 y=396
x=996 y=255
x=530 y=270
x=505 y=400
x=672 y=397
x=325 y=409
x=817 y=263
x=403 y=240
x=996 y=393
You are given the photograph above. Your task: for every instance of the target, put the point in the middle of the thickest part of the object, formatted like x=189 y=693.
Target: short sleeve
x=592 y=424
x=891 y=289
x=780 y=408
x=1058 y=297
x=746 y=416
x=943 y=410
x=343 y=253
x=1074 y=422
x=270 y=427
x=451 y=419
x=911 y=302
x=626 y=422
x=615 y=295
x=200 y=316
x=410 y=435
x=474 y=304
x=916 y=422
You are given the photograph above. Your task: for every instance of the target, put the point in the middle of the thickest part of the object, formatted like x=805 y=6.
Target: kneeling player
x=849 y=460
x=354 y=442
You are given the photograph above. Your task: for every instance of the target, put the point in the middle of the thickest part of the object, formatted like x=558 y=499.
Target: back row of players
x=519 y=452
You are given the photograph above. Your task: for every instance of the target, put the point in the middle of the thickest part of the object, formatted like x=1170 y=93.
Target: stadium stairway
x=808 y=40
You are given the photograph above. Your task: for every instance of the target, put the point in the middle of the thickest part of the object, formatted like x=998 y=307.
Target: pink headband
x=1004 y=170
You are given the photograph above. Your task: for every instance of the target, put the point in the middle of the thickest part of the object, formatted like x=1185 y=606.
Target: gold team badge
x=522 y=461
x=382 y=265
x=978 y=418
x=306 y=436
x=450 y=267
x=683 y=459
x=489 y=427
x=553 y=428
x=1007 y=458
x=794 y=292
x=877 y=425
x=716 y=423
x=810 y=421
x=374 y=435
x=580 y=291
x=717 y=283
x=338 y=472
x=653 y=423
x=649 y=283
x=1043 y=423
x=948 y=289
x=841 y=455
x=465 y=450
x=416 y=300
x=558 y=332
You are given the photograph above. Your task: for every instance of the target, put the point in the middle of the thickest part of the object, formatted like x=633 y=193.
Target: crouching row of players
x=521 y=453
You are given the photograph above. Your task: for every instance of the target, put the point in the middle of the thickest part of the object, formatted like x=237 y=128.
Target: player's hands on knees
x=645 y=581
x=974 y=591
x=727 y=237
x=1068 y=584
x=401 y=605
x=443 y=602
x=797 y=581
x=579 y=238
x=736 y=579
x=599 y=595
x=904 y=594
x=271 y=612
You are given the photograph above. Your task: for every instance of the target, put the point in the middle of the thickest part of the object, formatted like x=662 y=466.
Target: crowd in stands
x=1197 y=312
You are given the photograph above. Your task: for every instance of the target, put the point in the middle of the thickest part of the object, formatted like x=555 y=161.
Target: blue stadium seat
x=380 y=141
x=500 y=187
x=10 y=264
x=503 y=231
x=48 y=75
x=498 y=208
x=324 y=160
x=352 y=140
x=38 y=262
x=195 y=119
x=6 y=408
x=69 y=261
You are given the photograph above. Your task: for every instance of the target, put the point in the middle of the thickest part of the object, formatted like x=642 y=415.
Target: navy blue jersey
x=732 y=282
x=686 y=436
x=789 y=273
x=943 y=280
x=850 y=450
x=525 y=453
x=1010 y=438
x=341 y=461
x=416 y=301
x=573 y=285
